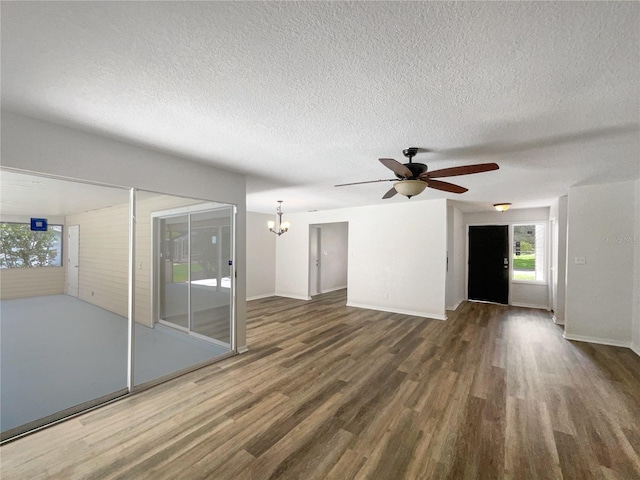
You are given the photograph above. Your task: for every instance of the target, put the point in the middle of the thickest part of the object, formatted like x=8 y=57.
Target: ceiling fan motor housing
x=416 y=170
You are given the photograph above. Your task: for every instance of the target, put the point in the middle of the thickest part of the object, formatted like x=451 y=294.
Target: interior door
x=314 y=260
x=73 y=248
x=488 y=278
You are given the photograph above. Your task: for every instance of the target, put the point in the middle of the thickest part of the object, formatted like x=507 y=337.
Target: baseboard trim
x=258 y=297
x=334 y=289
x=396 y=310
x=635 y=349
x=556 y=321
x=295 y=297
x=599 y=341
x=455 y=307
x=530 y=305
x=243 y=349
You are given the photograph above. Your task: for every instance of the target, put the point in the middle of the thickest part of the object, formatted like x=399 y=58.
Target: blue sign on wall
x=39 y=224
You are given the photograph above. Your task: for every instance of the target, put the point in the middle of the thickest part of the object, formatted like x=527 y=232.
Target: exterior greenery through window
x=21 y=247
x=529 y=253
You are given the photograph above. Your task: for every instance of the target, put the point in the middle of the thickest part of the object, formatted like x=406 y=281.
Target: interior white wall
x=397 y=256
x=261 y=257
x=513 y=215
x=520 y=294
x=334 y=261
x=635 y=343
x=599 y=296
x=558 y=211
x=455 y=292
x=39 y=146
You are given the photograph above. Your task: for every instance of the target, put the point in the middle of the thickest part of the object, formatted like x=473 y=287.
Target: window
x=22 y=247
x=529 y=253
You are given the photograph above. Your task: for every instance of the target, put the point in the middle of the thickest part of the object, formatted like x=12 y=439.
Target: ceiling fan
x=413 y=178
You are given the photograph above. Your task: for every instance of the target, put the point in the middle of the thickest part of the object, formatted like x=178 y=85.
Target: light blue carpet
x=57 y=352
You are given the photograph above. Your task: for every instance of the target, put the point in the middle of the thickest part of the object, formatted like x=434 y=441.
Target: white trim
x=131 y=290
x=258 y=297
x=455 y=307
x=599 y=341
x=328 y=290
x=530 y=305
x=400 y=311
x=243 y=349
x=635 y=349
x=198 y=207
x=556 y=321
x=294 y=296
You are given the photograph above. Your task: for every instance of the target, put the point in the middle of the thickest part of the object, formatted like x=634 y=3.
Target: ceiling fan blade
x=396 y=167
x=463 y=170
x=392 y=191
x=368 y=181
x=445 y=186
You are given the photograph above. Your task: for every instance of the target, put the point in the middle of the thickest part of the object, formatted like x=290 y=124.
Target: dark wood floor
x=332 y=392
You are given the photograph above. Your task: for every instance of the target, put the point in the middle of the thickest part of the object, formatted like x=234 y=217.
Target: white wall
x=599 y=297
x=261 y=256
x=456 y=238
x=397 y=256
x=635 y=343
x=521 y=294
x=333 y=256
x=38 y=146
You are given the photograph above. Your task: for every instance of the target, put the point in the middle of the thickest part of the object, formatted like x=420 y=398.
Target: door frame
x=77 y=259
x=155 y=278
x=315 y=235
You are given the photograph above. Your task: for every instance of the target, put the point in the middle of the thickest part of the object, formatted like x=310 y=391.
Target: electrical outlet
x=581 y=260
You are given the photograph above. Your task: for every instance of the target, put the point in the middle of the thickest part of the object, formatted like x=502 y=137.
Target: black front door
x=489 y=263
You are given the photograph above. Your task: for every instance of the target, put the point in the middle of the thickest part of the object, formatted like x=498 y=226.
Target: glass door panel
x=211 y=278
x=174 y=271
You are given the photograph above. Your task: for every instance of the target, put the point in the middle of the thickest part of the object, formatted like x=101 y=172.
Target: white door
x=73 y=238
x=314 y=260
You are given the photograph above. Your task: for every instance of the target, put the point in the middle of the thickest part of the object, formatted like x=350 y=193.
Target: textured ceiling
x=301 y=96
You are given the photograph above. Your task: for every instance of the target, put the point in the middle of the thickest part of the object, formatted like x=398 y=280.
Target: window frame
x=545 y=253
x=28 y=225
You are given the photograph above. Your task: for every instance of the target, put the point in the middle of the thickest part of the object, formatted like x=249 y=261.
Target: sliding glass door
x=211 y=257
x=195 y=273
x=174 y=271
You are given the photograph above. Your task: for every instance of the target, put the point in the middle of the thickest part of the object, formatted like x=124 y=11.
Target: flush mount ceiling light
x=501 y=207
x=278 y=227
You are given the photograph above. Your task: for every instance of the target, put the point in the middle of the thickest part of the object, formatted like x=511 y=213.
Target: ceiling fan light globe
x=410 y=188
x=501 y=207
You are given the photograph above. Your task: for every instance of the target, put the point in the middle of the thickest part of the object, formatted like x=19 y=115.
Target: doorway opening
x=328 y=257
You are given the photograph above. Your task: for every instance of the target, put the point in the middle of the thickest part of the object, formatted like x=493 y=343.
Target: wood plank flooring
x=332 y=392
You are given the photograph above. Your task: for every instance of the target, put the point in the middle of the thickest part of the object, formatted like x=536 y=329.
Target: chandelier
x=278 y=227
